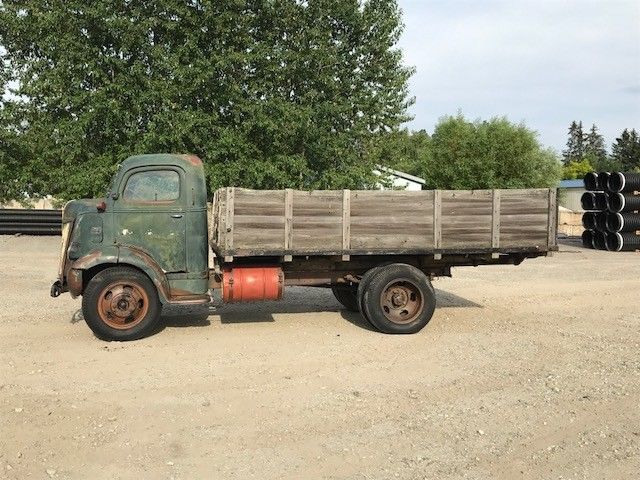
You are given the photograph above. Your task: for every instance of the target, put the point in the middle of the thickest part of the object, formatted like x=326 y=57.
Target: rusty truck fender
x=121 y=255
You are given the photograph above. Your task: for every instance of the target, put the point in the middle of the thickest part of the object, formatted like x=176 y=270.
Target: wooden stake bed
x=292 y=223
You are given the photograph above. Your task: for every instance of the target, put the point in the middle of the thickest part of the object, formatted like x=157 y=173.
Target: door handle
x=176 y=215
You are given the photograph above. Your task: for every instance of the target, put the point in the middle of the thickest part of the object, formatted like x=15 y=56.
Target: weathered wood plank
x=311 y=222
x=270 y=210
x=248 y=238
x=539 y=218
x=229 y=219
x=475 y=241
x=382 y=242
x=532 y=241
x=315 y=241
x=393 y=228
x=537 y=202
x=288 y=222
x=495 y=217
x=552 y=225
x=346 y=220
x=437 y=219
x=269 y=221
x=390 y=203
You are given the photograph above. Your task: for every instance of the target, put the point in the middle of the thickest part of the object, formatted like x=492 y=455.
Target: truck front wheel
x=121 y=303
x=399 y=298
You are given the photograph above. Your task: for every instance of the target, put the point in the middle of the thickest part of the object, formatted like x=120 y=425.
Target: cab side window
x=153 y=186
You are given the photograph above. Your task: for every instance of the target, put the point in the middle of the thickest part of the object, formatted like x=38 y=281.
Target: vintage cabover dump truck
x=145 y=244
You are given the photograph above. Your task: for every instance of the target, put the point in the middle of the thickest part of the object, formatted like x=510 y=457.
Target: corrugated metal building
x=570 y=193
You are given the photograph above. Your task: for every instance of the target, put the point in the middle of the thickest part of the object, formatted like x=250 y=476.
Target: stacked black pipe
x=30 y=222
x=612 y=217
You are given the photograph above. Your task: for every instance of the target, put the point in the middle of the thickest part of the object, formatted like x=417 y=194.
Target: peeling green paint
x=165 y=238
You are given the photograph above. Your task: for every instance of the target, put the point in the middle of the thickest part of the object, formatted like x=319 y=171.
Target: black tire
x=121 y=303
x=347 y=295
x=399 y=298
x=362 y=287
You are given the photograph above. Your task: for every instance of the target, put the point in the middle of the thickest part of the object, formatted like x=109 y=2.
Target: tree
x=594 y=149
x=401 y=150
x=487 y=154
x=576 y=169
x=271 y=93
x=575 y=144
x=626 y=150
x=12 y=183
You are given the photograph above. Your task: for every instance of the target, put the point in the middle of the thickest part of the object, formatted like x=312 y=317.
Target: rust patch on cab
x=192 y=159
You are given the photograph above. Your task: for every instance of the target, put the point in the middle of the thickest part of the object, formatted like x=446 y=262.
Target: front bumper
x=57 y=288
x=72 y=283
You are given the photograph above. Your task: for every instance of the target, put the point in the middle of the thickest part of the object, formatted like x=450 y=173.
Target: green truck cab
x=152 y=222
x=146 y=244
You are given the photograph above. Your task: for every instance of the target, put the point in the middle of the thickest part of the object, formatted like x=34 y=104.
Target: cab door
x=149 y=214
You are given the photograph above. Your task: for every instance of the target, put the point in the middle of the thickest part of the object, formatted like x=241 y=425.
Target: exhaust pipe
x=618 y=202
x=623 y=242
x=591 y=181
x=620 y=182
x=619 y=222
x=587 y=239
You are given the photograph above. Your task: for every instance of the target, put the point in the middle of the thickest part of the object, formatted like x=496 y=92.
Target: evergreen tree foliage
x=270 y=93
x=626 y=150
x=575 y=144
x=594 y=149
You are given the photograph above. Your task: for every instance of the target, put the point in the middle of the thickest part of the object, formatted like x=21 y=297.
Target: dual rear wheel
x=396 y=298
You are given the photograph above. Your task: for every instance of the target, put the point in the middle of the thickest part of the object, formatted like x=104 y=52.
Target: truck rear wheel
x=121 y=303
x=362 y=287
x=347 y=295
x=399 y=298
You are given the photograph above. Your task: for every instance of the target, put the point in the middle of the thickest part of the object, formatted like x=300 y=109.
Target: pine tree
x=594 y=149
x=575 y=144
x=626 y=150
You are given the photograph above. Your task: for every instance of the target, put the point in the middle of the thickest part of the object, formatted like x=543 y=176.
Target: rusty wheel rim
x=123 y=305
x=401 y=301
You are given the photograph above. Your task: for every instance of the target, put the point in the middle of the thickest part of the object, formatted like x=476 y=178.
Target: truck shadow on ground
x=296 y=301
x=446 y=299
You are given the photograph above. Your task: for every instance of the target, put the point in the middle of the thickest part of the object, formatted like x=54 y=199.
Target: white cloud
x=542 y=62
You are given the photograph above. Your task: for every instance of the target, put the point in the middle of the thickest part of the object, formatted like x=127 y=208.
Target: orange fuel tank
x=246 y=284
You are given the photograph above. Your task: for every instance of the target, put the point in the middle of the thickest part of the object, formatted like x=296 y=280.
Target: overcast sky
x=542 y=62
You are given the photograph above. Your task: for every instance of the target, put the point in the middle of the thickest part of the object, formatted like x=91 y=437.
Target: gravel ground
x=526 y=372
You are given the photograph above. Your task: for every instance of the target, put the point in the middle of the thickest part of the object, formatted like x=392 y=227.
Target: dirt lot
x=524 y=372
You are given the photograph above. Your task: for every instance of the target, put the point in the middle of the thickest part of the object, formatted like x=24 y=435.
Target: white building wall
x=404 y=184
x=399 y=181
